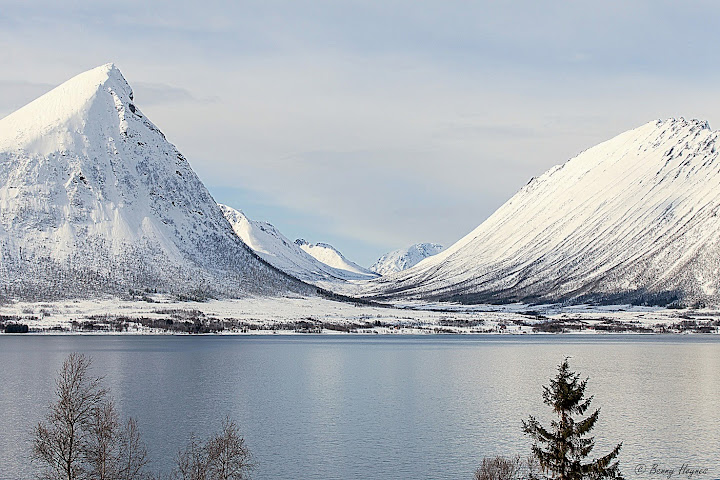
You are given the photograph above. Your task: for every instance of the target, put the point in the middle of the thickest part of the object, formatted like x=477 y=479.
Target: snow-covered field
x=261 y=315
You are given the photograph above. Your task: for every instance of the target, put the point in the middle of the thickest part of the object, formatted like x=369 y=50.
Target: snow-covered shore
x=261 y=315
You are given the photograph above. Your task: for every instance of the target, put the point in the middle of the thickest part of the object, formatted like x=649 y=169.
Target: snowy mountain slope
x=329 y=255
x=277 y=250
x=404 y=258
x=634 y=219
x=94 y=200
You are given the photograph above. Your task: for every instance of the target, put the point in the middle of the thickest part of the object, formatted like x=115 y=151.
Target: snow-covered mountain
x=329 y=255
x=283 y=254
x=404 y=258
x=634 y=219
x=94 y=200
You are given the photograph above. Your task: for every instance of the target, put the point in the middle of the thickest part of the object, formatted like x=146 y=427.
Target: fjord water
x=379 y=407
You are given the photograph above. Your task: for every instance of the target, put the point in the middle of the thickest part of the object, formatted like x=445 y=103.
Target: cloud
x=377 y=124
x=160 y=93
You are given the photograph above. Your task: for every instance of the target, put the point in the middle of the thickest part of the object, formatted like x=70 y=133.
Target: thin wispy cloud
x=161 y=93
x=374 y=125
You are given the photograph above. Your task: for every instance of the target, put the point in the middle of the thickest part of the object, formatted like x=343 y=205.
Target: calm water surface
x=387 y=407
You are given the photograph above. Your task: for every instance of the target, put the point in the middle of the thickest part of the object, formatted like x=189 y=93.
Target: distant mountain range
x=318 y=264
x=94 y=200
x=404 y=258
x=634 y=219
x=329 y=255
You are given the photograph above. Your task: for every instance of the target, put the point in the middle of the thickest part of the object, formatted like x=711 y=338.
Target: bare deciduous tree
x=132 y=456
x=82 y=436
x=222 y=457
x=228 y=456
x=499 y=468
x=58 y=442
x=192 y=462
x=101 y=441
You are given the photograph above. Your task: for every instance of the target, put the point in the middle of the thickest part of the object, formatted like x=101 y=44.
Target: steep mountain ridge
x=271 y=245
x=94 y=200
x=404 y=258
x=633 y=219
x=331 y=256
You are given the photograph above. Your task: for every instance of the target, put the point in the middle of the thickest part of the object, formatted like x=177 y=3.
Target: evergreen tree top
x=562 y=448
x=566 y=391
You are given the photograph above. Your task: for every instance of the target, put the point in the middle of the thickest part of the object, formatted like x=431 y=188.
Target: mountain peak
x=682 y=122
x=99 y=96
x=329 y=255
x=95 y=200
x=100 y=74
x=404 y=258
x=108 y=76
x=328 y=246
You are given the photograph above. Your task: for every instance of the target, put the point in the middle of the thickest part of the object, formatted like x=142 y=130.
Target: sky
x=376 y=125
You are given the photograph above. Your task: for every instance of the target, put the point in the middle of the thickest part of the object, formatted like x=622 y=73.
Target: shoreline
x=313 y=315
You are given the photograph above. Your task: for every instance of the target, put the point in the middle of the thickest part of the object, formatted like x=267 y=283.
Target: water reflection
x=378 y=407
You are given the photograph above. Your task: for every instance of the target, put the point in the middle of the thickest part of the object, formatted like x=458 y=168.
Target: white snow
x=265 y=315
x=404 y=258
x=94 y=199
x=329 y=255
x=636 y=218
x=290 y=257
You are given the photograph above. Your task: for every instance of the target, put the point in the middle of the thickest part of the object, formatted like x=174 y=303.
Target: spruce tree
x=562 y=449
